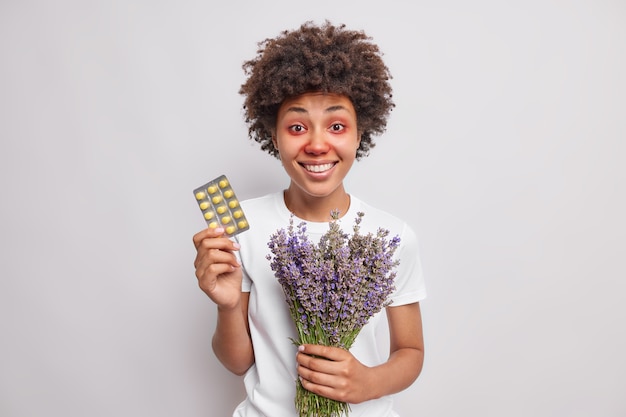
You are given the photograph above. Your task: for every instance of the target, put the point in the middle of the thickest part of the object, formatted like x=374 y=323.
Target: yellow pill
x=209 y=215
x=213 y=225
x=233 y=204
x=212 y=189
x=204 y=205
x=217 y=199
x=223 y=184
x=242 y=224
x=228 y=193
x=238 y=214
x=221 y=209
x=200 y=195
x=231 y=229
x=226 y=220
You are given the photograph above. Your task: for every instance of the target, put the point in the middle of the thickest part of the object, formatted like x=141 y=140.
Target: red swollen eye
x=296 y=128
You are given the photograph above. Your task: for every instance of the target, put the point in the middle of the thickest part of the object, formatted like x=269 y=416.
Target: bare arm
x=231 y=341
x=406 y=348
x=219 y=276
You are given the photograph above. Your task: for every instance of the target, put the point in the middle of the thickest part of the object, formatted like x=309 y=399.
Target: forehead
x=328 y=102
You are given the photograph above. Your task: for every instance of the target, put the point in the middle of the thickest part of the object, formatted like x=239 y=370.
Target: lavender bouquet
x=332 y=289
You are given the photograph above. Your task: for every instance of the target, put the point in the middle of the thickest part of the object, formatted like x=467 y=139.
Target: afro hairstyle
x=317 y=58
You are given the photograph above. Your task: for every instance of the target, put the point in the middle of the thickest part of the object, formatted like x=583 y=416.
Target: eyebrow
x=330 y=109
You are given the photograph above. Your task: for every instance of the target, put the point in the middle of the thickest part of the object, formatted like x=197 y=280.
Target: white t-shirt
x=270 y=383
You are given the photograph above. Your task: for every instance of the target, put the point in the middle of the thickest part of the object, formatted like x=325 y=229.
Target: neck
x=316 y=209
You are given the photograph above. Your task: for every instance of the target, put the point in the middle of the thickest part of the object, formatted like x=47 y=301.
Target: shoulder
x=262 y=204
x=264 y=214
x=264 y=200
x=375 y=218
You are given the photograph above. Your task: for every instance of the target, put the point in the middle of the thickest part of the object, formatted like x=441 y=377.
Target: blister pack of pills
x=220 y=206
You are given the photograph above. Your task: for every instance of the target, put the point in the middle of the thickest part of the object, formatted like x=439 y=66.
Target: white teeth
x=318 y=168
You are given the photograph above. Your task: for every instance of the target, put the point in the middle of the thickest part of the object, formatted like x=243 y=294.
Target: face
x=317 y=138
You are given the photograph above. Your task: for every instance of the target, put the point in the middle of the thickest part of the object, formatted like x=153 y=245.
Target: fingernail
x=236 y=245
x=300 y=348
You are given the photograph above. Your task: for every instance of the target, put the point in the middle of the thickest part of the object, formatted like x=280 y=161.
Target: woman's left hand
x=334 y=373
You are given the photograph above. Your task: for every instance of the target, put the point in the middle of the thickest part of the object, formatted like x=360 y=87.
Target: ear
x=275 y=143
x=358 y=143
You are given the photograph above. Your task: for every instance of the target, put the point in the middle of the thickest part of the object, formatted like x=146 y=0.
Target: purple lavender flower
x=332 y=289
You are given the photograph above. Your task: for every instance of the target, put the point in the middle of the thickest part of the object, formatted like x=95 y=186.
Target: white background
x=504 y=152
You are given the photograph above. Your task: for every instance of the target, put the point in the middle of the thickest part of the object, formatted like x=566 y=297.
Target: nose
x=317 y=144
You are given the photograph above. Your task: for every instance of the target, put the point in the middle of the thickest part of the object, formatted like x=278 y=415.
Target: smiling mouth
x=318 y=168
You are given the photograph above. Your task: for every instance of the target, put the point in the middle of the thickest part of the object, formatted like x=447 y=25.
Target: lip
x=320 y=167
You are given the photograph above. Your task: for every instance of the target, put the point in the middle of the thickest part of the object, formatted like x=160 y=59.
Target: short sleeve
x=409 y=282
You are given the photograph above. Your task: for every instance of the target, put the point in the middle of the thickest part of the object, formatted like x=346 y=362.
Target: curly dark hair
x=324 y=58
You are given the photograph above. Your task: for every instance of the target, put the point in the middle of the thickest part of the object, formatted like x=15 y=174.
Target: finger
x=208 y=239
x=325 y=385
x=210 y=233
x=312 y=380
x=206 y=234
x=220 y=243
x=318 y=364
x=207 y=260
x=213 y=252
x=208 y=275
x=328 y=352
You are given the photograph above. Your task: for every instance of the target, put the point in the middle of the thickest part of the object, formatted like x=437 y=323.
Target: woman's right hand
x=217 y=269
